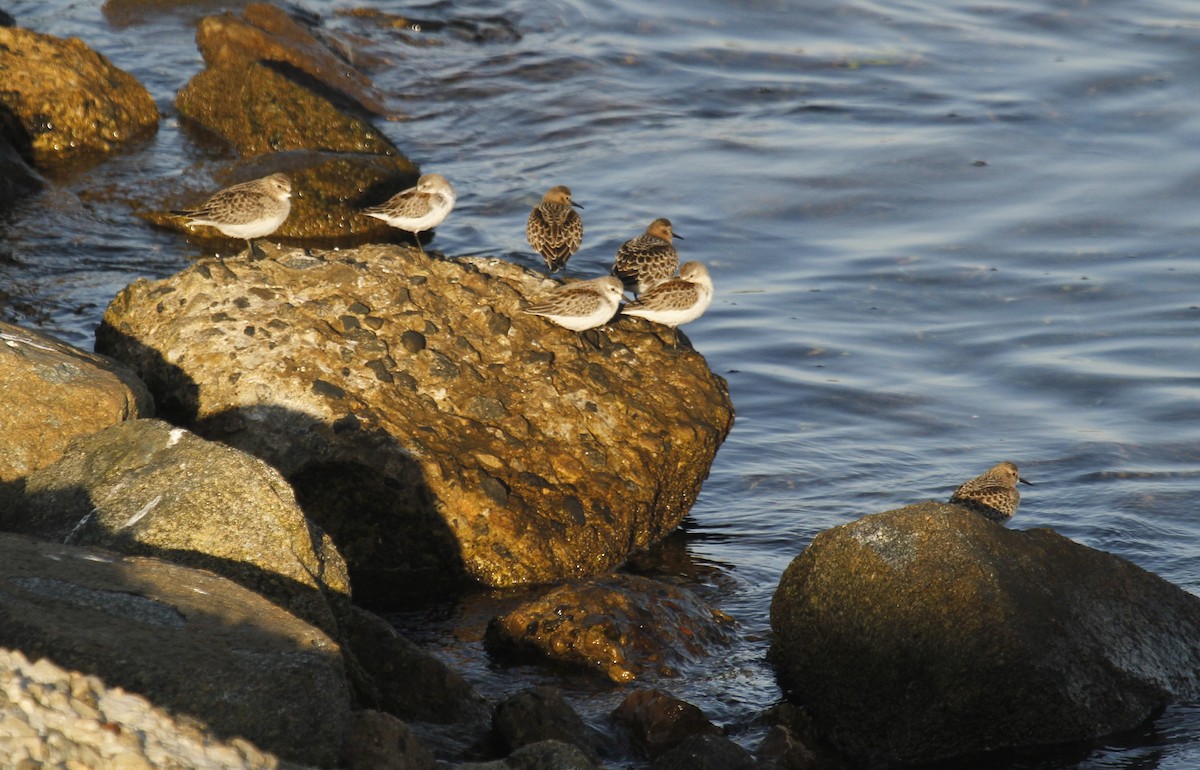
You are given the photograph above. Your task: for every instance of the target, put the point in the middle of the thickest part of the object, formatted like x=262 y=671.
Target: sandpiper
x=248 y=210
x=581 y=305
x=676 y=301
x=555 y=229
x=994 y=494
x=419 y=208
x=649 y=258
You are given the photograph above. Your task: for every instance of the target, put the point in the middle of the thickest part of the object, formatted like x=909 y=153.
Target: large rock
x=52 y=717
x=268 y=33
x=929 y=632
x=145 y=488
x=426 y=422
x=69 y=100
x=198 y=645
x=54 y=392
x=271 y=86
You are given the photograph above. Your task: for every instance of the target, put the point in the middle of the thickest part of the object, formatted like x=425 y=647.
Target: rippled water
x=943 y=234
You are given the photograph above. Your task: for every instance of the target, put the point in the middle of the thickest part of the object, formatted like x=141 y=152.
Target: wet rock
x=54 y=392
x=69 y=101
x=411 y=683
x=659 y=721
x=330 y=188
x=219 y=657
x=705 y=752
x=145 y=488
x=268 y=33
x=540 y=714
x=547 y=755
x=781 y=749
x=271 y=86
x=619 y=625
x=378 y=741
x=929 y=632
x=262 y=108
x=791 y=742
x=595 y=453
x=53 y=717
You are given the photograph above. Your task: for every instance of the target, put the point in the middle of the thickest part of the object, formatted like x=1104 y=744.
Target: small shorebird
x=676 y=301
x=994 y=494
x=419 y=208
x=555 y=229
x=248 y=210
x=649 y=258
x=581 y=305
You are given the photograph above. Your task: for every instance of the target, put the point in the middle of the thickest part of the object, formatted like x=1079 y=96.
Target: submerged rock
x=435 y=430
x=221 y=659
x=145 y=488
x=540 y=714
x=929 y=632
x=53 y=393
x=619 y=625
x=68 y=100
x=658 y=721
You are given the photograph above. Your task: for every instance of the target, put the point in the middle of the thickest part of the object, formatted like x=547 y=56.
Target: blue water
x=943 y=234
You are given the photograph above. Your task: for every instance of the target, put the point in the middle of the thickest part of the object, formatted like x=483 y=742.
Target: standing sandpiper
x=581 y=305
x=555 y=229
x=419 y=208
x=649 y=258
x=248 y=210
x=994 y=494
x=676 y=301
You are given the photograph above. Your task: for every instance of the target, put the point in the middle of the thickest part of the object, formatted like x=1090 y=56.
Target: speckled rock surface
x=429 y=425
x=218 y=657
x=52 y=717
x=930 y=632
x=69 y=100
x=619 y=626
x=145 y=488
x=54 y=392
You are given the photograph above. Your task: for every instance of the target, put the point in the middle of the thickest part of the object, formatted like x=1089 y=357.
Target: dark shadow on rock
x=190 y=642
x=361 y=488
x=337 y=97
x=17 y=176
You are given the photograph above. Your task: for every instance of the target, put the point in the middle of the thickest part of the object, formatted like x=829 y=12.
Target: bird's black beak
x=1023 y=481
x=577 y=205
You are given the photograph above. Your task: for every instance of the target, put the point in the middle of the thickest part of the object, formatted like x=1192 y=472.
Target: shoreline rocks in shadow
x=434 y=430
x=204 y=648
x=928 y=633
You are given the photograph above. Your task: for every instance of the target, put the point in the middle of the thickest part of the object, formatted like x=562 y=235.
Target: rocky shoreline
x=196 y=520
